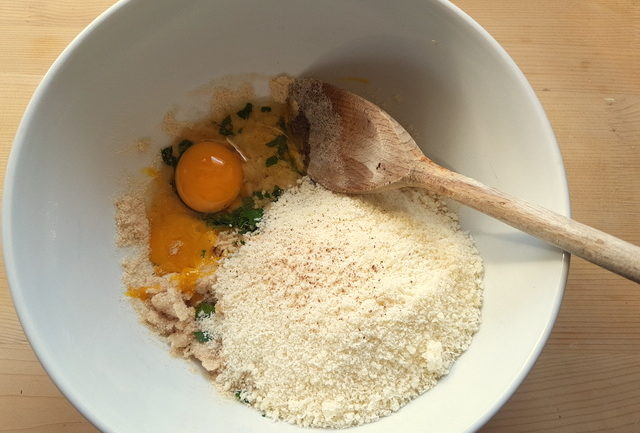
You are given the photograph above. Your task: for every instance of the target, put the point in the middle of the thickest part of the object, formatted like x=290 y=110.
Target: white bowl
x=428 y=64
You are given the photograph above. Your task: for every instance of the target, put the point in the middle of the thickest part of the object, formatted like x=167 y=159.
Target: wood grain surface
x=582 y=57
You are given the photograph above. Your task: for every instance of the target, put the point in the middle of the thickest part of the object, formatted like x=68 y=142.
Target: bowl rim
x=29 y=327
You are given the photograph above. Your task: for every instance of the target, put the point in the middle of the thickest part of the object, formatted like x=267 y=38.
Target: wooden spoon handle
x=591 y=244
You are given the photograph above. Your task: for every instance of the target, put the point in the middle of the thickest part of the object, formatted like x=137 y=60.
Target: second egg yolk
x=209 y=176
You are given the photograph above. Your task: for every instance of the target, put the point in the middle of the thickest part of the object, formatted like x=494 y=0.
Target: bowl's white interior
x=431 y=67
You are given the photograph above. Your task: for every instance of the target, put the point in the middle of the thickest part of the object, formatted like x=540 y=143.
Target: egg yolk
x=209 y=176
x=141 y=292
x=178 y=239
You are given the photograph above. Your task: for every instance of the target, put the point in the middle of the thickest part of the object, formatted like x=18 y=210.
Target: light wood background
x=583 y=59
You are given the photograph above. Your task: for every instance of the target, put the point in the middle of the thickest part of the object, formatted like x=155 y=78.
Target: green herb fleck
x=272 y=160
x=281 y=124
x=184 y=145
x=203 y=253
x=245 y=218
x=167 y=156
x=240 y=398
x=265 y=109
x=246 y=111
x=279 y=141
x=226 y=126
x=277 y=191
x=202 y=337
x=283 y=151
x=204 y=309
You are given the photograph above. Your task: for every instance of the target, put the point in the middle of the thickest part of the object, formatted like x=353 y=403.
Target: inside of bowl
x=430 y=67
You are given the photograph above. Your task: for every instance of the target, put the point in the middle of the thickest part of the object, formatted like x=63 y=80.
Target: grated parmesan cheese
x=340 y=309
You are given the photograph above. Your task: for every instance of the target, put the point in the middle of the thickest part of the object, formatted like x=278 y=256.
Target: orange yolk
x=178 y=239
x=150 y=171
x=209 y=176
x=141 y=292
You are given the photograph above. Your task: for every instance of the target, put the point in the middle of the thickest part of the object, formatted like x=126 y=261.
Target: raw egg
x=178 y=239
x=209 y=176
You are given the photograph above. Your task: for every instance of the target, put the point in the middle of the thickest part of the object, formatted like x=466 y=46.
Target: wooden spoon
x=350 y=145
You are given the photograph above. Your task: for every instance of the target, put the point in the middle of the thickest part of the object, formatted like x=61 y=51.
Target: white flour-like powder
x=340 y=309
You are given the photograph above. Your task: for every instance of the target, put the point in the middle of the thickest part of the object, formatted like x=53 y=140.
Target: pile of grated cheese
x=340 y=309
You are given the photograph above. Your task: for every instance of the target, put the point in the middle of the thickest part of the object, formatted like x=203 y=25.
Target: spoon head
x=350 y=145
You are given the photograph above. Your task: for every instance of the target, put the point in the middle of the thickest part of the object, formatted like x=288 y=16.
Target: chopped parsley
x=272 y=160
x=184 y=145
x=240 y=396
x=246 y=111
x=245 y=218
x=226 y=126
x=203 y=253
x=202 y=337
x=279 y=141
x=167 y=153
x=205 y=309
x=283 y=151
x=265 y=109
x=281 y=124
x=168 y=157
x=277 y=191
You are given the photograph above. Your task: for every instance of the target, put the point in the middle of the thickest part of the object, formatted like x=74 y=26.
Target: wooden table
x=583 y=59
